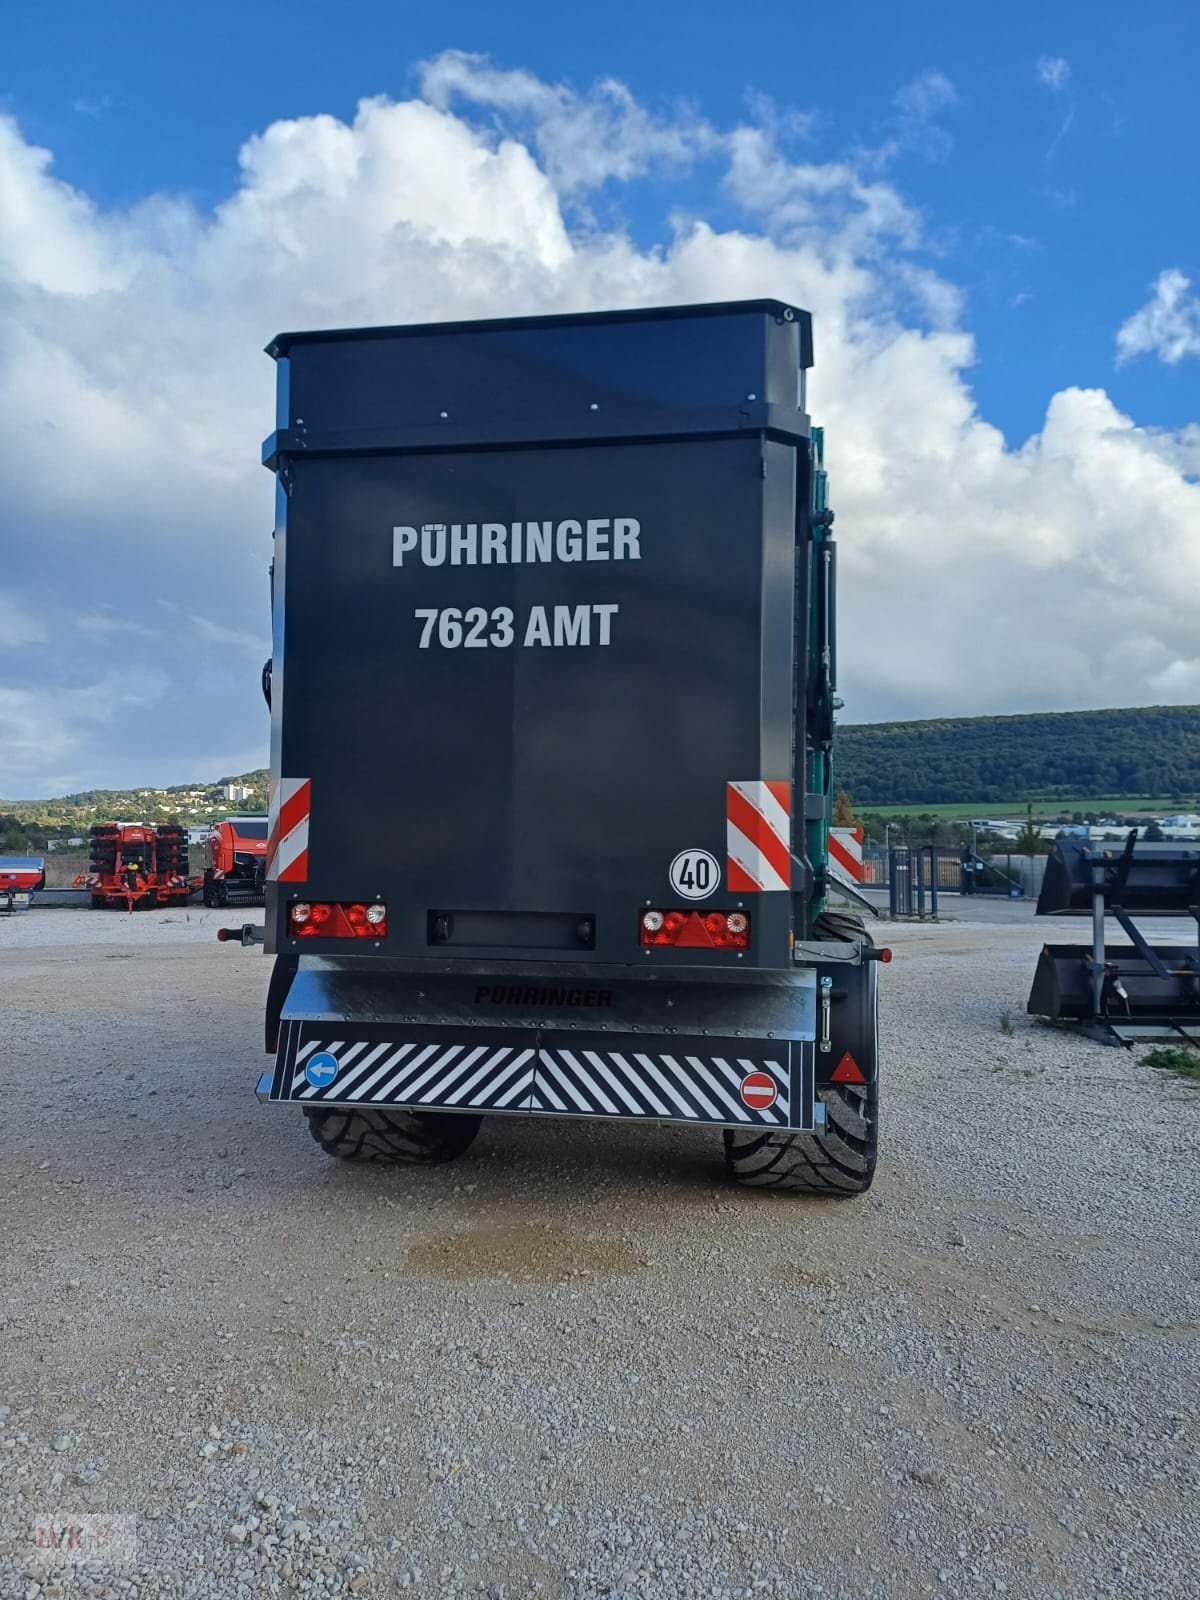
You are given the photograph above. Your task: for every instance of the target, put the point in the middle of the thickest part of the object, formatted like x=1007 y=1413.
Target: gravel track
x=576 y=1363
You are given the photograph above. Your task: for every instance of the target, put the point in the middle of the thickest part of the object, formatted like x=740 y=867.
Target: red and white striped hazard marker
x=846 y=852
x=758 y=819
x=287 y=845
x=759 y=1090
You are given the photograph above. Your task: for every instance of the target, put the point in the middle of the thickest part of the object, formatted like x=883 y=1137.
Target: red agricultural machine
x=136 y=865
x=237 y=862
x=19 y=877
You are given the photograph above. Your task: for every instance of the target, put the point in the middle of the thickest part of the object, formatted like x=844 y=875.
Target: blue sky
x=991 y=210
x=1052 y=206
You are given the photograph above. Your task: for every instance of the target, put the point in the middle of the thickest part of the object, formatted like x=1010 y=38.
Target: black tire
x=396 y=1138
x=841 y=1161
x=98 y=902
x=841 y=925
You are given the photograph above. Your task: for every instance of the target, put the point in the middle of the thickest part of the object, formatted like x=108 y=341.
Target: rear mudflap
x=729 y=1055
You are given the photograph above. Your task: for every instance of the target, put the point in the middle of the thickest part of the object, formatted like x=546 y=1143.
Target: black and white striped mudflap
x=730 y=1082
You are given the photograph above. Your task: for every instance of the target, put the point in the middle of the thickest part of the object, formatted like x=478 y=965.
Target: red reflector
x=356 y=916
x=847 y=1071
x=320 y=920
x=885 y=955
x=689 y=930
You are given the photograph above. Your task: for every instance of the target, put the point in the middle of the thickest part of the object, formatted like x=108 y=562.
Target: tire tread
x=839 y=1162
x=392 y=1138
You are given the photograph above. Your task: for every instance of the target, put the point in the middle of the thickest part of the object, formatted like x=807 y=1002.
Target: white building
x=237 y=792
x=1184 y=826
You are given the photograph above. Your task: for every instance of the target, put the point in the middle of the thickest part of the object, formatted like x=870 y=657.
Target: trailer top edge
x=283 y=342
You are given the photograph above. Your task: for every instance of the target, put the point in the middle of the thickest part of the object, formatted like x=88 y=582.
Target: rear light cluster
x=693 y=930
x=321 y=919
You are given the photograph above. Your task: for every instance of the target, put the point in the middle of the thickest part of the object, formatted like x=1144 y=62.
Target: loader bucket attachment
x=1152 y=880
x=1130 y=985
x=1127 y=991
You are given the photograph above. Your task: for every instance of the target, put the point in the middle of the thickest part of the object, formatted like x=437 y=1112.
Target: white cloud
x=104 y=623
x=1167 y=326
x=582 y=140
x=1064 y=128
x=926 y=96
x=914 y=128
x=133 y=396
x=217 y=633
x=18 y=626
x=47 y=733
x=1053 y=71
x=782 y=122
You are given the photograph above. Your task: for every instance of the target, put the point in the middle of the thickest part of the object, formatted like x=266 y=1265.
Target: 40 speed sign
x=695 y=874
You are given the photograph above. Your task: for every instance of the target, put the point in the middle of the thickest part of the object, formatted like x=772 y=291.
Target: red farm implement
x=137 y=865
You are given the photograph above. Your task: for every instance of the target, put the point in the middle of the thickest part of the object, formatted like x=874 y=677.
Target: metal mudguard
x=729 y=1054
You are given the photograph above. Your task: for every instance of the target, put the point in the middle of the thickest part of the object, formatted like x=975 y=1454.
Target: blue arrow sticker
x=321 y=1069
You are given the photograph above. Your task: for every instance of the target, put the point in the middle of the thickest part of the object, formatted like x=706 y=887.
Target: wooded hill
x=192 y=803
x=1146 y=750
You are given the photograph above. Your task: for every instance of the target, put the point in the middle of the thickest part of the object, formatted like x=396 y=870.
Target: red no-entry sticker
x=759 y=1090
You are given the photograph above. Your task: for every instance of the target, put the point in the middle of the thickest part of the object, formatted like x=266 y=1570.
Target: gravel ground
x=577 y=1364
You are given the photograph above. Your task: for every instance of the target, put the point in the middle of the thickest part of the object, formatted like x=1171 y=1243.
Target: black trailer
x=552 y=694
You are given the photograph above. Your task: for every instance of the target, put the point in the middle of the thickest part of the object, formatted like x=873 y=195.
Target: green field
x=1043 y=810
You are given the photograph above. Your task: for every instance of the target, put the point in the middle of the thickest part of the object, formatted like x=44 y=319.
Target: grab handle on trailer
x=826 y=1041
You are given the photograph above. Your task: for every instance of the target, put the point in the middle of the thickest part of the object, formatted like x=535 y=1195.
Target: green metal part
x=821 y=667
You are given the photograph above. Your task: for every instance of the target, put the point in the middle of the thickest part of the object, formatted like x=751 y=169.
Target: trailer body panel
x=514 y=682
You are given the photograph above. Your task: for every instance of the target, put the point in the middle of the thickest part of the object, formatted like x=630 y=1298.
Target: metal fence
x=916 y=875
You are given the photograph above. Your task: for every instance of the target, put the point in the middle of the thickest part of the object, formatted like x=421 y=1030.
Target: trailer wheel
x=98 y=902
x=841 y=925
x=397 y=1138
x=840 y=1161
